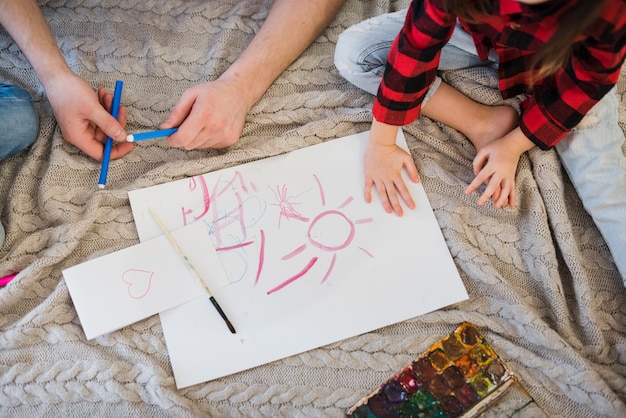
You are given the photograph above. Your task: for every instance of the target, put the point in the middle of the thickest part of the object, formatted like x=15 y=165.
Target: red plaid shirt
x=515 y=32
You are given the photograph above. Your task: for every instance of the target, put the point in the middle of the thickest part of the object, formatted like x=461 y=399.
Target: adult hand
x=212 y=114
x=84 y=116
x=208 y=115
x=80 y=113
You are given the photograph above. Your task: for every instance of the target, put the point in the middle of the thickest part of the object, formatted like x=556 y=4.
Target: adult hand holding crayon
x=84 y=116
x=211 y=115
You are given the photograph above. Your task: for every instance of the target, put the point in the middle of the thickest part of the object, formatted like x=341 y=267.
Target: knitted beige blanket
x=543 y=287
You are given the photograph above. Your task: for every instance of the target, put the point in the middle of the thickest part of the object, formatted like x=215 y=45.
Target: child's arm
x=496 y=164
x=383 y=164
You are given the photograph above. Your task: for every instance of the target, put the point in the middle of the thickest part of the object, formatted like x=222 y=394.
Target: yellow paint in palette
x=460 y=375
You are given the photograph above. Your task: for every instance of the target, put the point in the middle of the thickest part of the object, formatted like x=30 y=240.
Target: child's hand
x=384 y=162
x=495 y=165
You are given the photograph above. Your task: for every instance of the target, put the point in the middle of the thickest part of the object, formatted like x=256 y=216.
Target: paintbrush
x=192 y=269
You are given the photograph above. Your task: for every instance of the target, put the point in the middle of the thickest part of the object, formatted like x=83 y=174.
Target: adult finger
x=179 y=112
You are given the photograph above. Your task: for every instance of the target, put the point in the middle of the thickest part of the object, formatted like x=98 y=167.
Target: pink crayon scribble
x=138 y=282
x=370 y=255
x=294 y=252
x=321 y=189
x=209 y=196
x=346 y=202
x=294 y=278
x=320 y=219
x=233 y=247
x=286 y=206
x=330 y=268
x=230 y=206
x=233 y=217
x=206 y=199
x=261 y=258
x=329 y=231
x=232 y=209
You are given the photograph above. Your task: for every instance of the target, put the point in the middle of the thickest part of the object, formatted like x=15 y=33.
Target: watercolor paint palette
x=460 y=375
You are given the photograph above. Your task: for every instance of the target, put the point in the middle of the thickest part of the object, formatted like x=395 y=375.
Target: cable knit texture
x=543 y=287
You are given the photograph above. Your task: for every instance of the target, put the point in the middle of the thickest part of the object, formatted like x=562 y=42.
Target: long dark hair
x=558 y=50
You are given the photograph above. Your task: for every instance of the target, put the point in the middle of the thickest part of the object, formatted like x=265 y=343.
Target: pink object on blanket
x=5 y=280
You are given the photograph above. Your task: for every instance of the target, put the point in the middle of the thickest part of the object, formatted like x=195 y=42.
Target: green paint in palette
x=460 y=375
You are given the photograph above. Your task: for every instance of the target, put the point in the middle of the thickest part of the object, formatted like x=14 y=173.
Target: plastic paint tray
x=460 y=375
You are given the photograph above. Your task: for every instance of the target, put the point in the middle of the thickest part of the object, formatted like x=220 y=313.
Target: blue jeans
x=361 y=52
x=19 y=122
x=591 y=154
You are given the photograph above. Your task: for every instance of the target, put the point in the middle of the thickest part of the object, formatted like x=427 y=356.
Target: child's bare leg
x=480 y=123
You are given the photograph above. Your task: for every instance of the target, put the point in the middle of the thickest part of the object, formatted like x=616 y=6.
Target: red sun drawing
x=343 y=231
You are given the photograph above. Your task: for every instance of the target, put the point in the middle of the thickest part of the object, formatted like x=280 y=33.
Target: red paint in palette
x=409 y=381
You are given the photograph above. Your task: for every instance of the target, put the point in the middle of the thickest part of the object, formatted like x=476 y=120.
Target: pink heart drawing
x=138 y=281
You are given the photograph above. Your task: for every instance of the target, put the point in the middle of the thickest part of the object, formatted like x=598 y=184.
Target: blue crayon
x=150 y=135
x=108 y=145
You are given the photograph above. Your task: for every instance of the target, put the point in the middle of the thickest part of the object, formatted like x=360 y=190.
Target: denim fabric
x=591 y=154
x=19 y=122
x=361 y=52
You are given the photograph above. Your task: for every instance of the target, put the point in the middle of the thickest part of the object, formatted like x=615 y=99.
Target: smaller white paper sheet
x=132 y=284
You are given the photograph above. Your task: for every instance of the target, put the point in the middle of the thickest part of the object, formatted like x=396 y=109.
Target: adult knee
x=19 y=122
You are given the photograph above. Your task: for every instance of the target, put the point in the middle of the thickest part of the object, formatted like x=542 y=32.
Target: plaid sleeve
x=560 y=102
x=412 y=62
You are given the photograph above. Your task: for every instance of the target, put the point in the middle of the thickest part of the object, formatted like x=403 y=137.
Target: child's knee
x=361 y=60
x=361 y=50
x=345 y=58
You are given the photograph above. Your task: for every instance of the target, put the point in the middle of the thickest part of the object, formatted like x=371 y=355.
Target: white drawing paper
x=307 y=261
x=134 y=283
